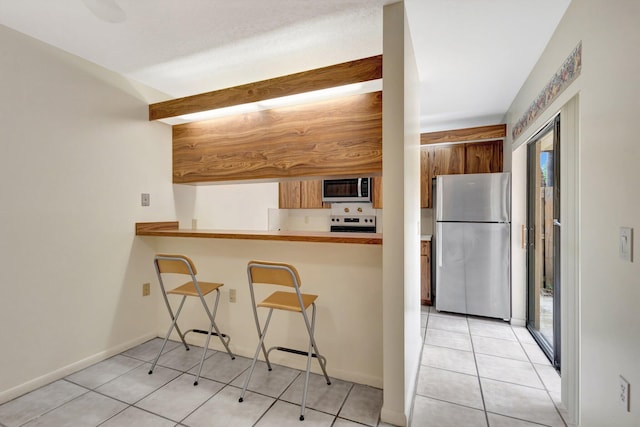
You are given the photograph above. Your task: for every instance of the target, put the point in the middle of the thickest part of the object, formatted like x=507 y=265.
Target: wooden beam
x=361 y=70
x=461 y=135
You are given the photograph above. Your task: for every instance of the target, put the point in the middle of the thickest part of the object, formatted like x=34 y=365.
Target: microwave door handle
x=359 y=187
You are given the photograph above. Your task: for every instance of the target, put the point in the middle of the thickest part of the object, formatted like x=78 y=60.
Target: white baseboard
x=50 y=377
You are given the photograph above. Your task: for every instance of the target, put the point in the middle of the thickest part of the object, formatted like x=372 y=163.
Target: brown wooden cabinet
x=475 y=157
x=376 y=200
x=425 y=272
x=483 y=157
x=301 y=195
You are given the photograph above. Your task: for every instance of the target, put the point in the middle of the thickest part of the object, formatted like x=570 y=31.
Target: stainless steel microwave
x=346 y=190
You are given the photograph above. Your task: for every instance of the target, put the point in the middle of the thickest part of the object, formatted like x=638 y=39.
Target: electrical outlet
x=625 y=393
x=232 y=295
x=145 y=199
x=146 y=289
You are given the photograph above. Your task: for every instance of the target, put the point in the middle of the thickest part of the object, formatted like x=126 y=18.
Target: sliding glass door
x=543 y=248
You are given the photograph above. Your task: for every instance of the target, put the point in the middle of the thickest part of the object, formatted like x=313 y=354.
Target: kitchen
x=100 y=166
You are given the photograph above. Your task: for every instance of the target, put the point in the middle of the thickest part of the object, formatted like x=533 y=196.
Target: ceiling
x=473 y=55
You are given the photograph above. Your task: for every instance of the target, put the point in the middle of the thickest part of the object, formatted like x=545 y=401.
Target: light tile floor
x=120 y=392
x=474 y=372
x=485 y=373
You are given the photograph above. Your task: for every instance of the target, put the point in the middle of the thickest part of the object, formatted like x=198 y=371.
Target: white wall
x=609 y=153
x=77 y=151
x=401 y=195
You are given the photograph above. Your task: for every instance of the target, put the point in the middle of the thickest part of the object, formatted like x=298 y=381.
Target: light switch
x=626 y=243
x=145 y=199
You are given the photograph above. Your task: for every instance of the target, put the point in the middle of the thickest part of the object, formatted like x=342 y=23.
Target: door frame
x=551 y=349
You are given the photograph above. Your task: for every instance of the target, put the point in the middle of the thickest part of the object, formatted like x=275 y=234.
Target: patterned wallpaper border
x=567 y=73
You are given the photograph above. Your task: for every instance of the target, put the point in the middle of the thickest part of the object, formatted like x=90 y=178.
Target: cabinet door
x=425 y=178
x=377 y=192
x=289 y=195
x=438 y=160
x=483 y=157
x=447 y=159
x=311 y=194
x=425 y=273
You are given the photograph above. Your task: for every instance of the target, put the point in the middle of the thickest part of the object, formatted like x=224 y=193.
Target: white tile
x=550 y=377
x=449 y=339
x=508 y=370
x=491 y=329
x=90 y=409
x=224 y=410
x=272 y=383
x=524 y=403
x=341 y=422
x=320 y=396
x=523 y=334
x=450 y=386
x=180 y=397
x=183 y=360
x=536 y=355
x=29 y=406
x=448 y=358
x=363 y=405
x=220 y=367
x=148 y=351
x=423 y=320
x=136 y=384
x=283 y=414
x=138 y=418
x=448 y=323
x=105 y=371
x=502 y=421
x=498 y=347
x=435 y=413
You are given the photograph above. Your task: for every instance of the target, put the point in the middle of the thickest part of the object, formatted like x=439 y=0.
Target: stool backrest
x=179 y=264
x=273 y=273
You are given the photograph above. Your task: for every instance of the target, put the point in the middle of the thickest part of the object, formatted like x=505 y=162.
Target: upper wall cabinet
x=301 y=195
x=476 y=157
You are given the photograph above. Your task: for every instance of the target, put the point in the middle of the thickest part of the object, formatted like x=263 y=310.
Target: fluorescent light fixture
x=285 y=101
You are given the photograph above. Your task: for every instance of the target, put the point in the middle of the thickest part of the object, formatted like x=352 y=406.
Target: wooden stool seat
x=287 y=301
x=190 y=289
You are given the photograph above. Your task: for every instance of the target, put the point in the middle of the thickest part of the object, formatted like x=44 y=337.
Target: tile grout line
x=540 y=378
x=475 y=361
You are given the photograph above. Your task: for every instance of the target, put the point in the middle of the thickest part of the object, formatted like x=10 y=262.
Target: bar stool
x=180 y=264
x=276 y=273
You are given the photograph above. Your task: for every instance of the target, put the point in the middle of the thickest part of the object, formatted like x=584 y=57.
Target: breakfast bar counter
x=170 y=229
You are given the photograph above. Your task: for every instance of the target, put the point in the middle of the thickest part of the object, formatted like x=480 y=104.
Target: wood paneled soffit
x=333 y=137
x=465 y=135
x=361 y=70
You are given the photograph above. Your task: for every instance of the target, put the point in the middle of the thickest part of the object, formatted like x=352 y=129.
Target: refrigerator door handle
x=439 y=246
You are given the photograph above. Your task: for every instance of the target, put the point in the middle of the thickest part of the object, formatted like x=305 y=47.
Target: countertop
x=425 y=237
x=170 y=229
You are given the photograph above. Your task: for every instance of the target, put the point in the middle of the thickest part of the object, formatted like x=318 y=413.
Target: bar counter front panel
x=346 y=277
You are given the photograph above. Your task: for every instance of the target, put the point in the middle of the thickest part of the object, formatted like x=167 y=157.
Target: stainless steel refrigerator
x=473 y=244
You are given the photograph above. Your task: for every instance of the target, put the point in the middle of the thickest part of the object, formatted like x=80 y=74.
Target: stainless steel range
x=352 y=218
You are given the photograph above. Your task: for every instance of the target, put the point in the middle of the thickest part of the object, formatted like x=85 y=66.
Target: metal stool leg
x=212 y=317
x=174 y=319
x=312 y=346
x=255 y=356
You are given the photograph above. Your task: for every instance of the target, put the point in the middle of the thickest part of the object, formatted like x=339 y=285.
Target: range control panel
x=355 y=223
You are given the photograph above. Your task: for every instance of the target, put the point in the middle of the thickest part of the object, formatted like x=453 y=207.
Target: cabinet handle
x=523 y=238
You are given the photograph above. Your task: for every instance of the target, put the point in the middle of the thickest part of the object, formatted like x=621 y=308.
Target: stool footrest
x=292 y=350
x=202 y=331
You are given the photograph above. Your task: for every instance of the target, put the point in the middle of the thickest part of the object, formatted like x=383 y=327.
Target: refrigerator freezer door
x=482 y=197
x=472 y=269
